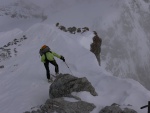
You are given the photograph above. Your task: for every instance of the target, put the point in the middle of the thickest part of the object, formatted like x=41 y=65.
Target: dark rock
x=63 y=28
x=2 y=66
x=65 y=84
x=85 y=29
x=72 y=30
x=128 y=110
x=78 y=30
x=114 y=108
x=62 y=106
x=27 y=112
x=57 y=24
x=111 y=109
x=59 y=105
x=96 y=46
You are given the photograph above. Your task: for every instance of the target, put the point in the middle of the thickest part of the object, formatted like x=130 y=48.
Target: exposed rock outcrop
x=66 y=84
x=62 y=106
x=96 y=46
x=127 y=110
x=61 y=89
x=114 y=108
x=59 y=105
x=72 y=30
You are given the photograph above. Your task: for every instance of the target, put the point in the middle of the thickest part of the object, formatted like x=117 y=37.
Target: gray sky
x=41 y=3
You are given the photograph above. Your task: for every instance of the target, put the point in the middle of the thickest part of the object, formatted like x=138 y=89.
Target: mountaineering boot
x=57 y=74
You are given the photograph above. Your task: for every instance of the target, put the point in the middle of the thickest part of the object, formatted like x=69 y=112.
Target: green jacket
x=49 y=56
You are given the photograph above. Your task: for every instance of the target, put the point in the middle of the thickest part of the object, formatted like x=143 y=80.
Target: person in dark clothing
x=47 y=56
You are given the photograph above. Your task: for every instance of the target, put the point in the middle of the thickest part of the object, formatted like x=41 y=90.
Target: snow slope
x=123 y=26
x=23 y=81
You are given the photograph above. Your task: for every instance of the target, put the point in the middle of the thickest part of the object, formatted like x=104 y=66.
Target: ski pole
x=69 y=68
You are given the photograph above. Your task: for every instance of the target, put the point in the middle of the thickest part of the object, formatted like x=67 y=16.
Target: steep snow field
x=23 y=81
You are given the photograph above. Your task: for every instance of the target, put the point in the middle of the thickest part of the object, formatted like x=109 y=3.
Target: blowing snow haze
x=123 y=26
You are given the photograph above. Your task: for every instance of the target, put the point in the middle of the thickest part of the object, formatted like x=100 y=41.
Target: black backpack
x=44 y=49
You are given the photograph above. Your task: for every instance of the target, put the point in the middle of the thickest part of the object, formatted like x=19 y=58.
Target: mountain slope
x=122 y=25
x=23 y=81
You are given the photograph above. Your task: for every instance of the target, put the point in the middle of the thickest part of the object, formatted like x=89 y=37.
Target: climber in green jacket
x=47 y=56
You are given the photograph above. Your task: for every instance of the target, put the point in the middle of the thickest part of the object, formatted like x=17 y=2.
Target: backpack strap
x=46 y=56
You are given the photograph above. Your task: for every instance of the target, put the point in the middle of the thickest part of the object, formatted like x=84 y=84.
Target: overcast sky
x=42 y=3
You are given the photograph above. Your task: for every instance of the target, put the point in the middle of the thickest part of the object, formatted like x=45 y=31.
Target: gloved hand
x=62 y=58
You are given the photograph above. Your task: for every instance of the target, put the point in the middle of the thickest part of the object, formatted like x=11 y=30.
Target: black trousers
x=46 y=64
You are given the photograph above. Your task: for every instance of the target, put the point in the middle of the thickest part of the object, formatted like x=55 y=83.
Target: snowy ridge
x=23 y=81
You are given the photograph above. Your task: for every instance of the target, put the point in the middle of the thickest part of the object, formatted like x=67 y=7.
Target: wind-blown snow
x=23 y=81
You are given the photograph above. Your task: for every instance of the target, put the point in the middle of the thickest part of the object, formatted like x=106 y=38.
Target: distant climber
x=96 y=46
x=47 y=56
